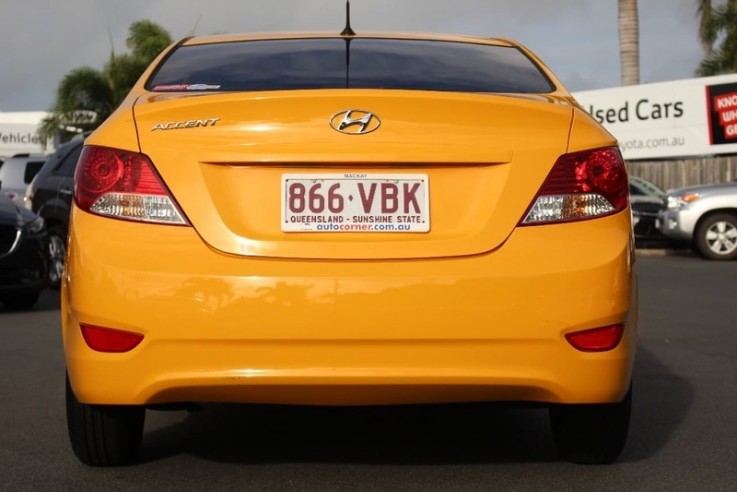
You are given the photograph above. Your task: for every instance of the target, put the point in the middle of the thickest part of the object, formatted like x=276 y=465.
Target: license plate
x=355 y=202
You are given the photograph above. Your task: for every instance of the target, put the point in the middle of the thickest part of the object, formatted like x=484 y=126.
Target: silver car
x=705 y=215
x=17 y=172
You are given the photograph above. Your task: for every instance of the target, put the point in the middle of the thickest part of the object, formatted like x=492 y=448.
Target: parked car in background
x=706 y=216
x=23 y=255
x=17 y=172
x=50 y=195
x=646 y=200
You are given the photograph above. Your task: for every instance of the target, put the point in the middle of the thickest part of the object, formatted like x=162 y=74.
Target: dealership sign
x=669 y=119
x=18 y=133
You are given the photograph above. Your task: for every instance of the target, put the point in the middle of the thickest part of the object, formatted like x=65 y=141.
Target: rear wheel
x=591 y=434
x=57 y=253
x=716 y=237
x=104 y=435
x=20 y=301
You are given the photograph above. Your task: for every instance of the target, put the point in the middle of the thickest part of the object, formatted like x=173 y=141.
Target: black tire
x=716 y=237
x=591 y=434
x=20 y=301
x=103 y=435
x=57 y=238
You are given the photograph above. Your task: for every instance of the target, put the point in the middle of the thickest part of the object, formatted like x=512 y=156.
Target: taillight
x=109 y=340
x=582 y=185
x=30 y=193
x=596 y=340
x=122 y=184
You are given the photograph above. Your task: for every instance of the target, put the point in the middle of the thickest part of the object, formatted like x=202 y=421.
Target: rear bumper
x=678 y=223
x=221 y=328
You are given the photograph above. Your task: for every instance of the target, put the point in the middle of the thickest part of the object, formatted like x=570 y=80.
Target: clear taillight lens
x=582 y=185
x=125 y=185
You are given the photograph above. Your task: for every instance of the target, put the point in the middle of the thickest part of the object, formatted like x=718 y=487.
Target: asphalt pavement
x=682 y=435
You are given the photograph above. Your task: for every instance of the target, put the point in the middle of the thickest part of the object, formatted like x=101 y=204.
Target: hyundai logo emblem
x=355 y=122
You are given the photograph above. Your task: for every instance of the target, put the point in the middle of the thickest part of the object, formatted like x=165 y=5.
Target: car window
x=18 y=172
x=32 y=168
x=359 y=64
x=69 y=163
x=634 y=190
x=652 y=189
x=644 y=187
x=6 y=174
x=52 y=163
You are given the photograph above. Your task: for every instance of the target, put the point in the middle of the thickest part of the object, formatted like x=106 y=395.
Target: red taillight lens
x=582 y=185
x=122 y=184
x=109 y=340
x=596 y=340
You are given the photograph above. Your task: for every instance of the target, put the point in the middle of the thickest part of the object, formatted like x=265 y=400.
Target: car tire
x=591 y=433
x=20 y=301
x=716 y=237
x=104 y=435
x=57 y=238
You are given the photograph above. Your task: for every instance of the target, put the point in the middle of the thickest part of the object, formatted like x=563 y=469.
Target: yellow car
x=367 y=219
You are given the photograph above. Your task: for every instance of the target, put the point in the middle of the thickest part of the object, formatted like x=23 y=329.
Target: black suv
x=50 y=196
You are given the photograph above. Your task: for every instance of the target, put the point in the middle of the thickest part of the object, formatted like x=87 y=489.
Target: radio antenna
x=348 y=31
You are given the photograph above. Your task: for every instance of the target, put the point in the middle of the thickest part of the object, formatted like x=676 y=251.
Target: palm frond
x=86 y=96
x=147 y=39
x=722 y=27
x=85 y=89
x=707 y=35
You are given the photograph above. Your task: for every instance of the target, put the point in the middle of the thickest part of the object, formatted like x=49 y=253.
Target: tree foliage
x=87 y=96
x=719 y=32
x=704 y=12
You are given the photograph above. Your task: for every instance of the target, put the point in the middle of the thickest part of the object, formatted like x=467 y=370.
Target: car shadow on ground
x=426 y=434
x=661 y=403
x=48 y=301
x=405 y=435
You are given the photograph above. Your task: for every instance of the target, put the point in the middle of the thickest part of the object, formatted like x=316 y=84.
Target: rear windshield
x=359 y=64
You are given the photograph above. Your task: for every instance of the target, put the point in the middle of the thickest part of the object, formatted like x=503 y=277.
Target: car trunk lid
x=244 y=168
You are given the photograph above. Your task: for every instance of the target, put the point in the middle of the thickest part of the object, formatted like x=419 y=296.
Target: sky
x=43 y=40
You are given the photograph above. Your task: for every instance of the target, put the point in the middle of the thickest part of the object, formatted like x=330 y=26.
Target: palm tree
x=721 y=26
x=86 y=96
x=84 y=99
x=629 y=42
x=704 y=12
